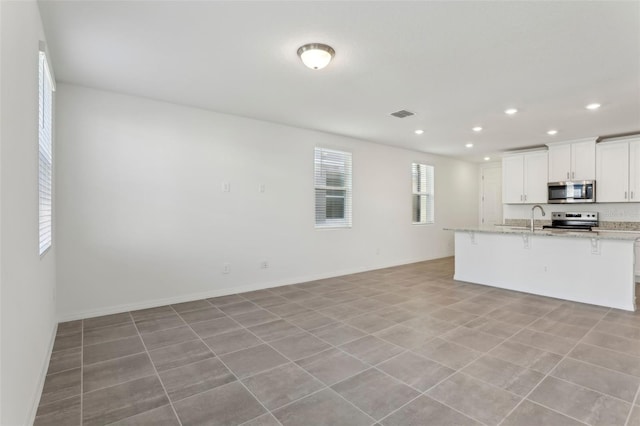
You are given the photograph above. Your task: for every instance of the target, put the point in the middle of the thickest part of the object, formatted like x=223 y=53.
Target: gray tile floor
x=398 y=346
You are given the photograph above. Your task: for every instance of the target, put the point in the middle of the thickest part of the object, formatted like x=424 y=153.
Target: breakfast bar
x=589 y=267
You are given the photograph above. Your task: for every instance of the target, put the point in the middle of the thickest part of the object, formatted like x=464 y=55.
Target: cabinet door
x=559 y=163
x=634 y=171
x=512 y=179
x=535 y=178
x=583 y=160
x=612 y=172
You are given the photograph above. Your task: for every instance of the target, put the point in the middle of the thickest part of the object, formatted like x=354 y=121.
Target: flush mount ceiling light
x=419 y=132
x=468 y=145
x=593 y=106
x=403 y=113
x=316 y=55
x=487 y=158
x=552 y=132
x=510 y=111
x=477 y=129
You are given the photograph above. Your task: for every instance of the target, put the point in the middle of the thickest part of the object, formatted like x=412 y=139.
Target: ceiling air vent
x=402 y=113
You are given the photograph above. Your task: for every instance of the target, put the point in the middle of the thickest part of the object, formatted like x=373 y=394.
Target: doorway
x=491 y=195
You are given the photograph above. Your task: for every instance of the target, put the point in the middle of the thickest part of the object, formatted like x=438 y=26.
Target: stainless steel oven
x=573 y=221
x=582 y=191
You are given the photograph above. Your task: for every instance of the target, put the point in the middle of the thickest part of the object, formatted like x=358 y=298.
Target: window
x=333 y=188
x=45 y=164
x=423 y=202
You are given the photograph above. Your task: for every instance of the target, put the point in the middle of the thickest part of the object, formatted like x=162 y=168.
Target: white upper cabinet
x=559 y=163
x=524 y=178
x=535 y=177
x=634 y=170
x=612 y=172
x=618 y=171
x=513 y=179
x=572 y=160
x=583 y=160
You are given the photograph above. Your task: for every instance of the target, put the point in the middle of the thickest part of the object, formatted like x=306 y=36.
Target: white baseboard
x=224 y=292
x=43 y=375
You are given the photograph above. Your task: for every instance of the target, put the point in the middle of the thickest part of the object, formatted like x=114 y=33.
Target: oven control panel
x=587 y=216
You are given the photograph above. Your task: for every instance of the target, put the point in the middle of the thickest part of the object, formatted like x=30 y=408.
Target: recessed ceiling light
x=510 y=111
x=316 y=55
x=469 y=145
x=487 y=158
x=477 y=129
x=593 y=106
x=552 y=132
x=419 y=132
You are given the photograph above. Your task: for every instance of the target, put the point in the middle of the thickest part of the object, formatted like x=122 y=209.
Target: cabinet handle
x=625 y=195
x=573 y=175
x=567 y=175
x=521 y=197
x=631 y=198
x=525 y=197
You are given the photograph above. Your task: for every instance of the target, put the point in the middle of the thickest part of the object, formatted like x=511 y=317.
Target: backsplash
x=614 y=215
x=604 y=225
x=619 y=226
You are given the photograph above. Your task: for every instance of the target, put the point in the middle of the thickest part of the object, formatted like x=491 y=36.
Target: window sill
x=44 y=253
x=333 y=226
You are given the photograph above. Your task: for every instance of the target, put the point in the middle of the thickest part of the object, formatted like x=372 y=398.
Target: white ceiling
x=455 y=64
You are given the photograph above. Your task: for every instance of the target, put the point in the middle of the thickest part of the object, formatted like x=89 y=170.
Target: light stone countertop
x=601 y=235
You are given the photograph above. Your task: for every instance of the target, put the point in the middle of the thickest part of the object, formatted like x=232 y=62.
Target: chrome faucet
x=533 y=210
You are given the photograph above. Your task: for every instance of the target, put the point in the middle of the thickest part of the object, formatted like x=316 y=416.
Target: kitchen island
x=589 y=267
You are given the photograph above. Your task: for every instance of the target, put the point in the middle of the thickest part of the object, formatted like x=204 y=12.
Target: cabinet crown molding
x=591 y=139
x=620 y=139
x=524 y=151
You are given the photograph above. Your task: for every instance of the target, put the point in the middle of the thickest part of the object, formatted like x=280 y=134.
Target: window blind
x=333 y=191
x=423 y=197
x=45 y=161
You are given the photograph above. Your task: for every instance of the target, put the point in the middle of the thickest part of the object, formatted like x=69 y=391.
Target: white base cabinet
x=599 y=272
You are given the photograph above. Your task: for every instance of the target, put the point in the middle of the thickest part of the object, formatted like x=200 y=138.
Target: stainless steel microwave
x=582 y=191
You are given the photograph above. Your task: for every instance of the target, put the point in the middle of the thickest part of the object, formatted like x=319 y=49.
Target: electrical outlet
x=377 y=251
x=226 y=187
x=264 y=264
x=226 y=268
x=261 y=187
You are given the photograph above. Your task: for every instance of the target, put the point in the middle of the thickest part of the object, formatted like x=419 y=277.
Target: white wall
x=28 y=281
x=142 y=219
